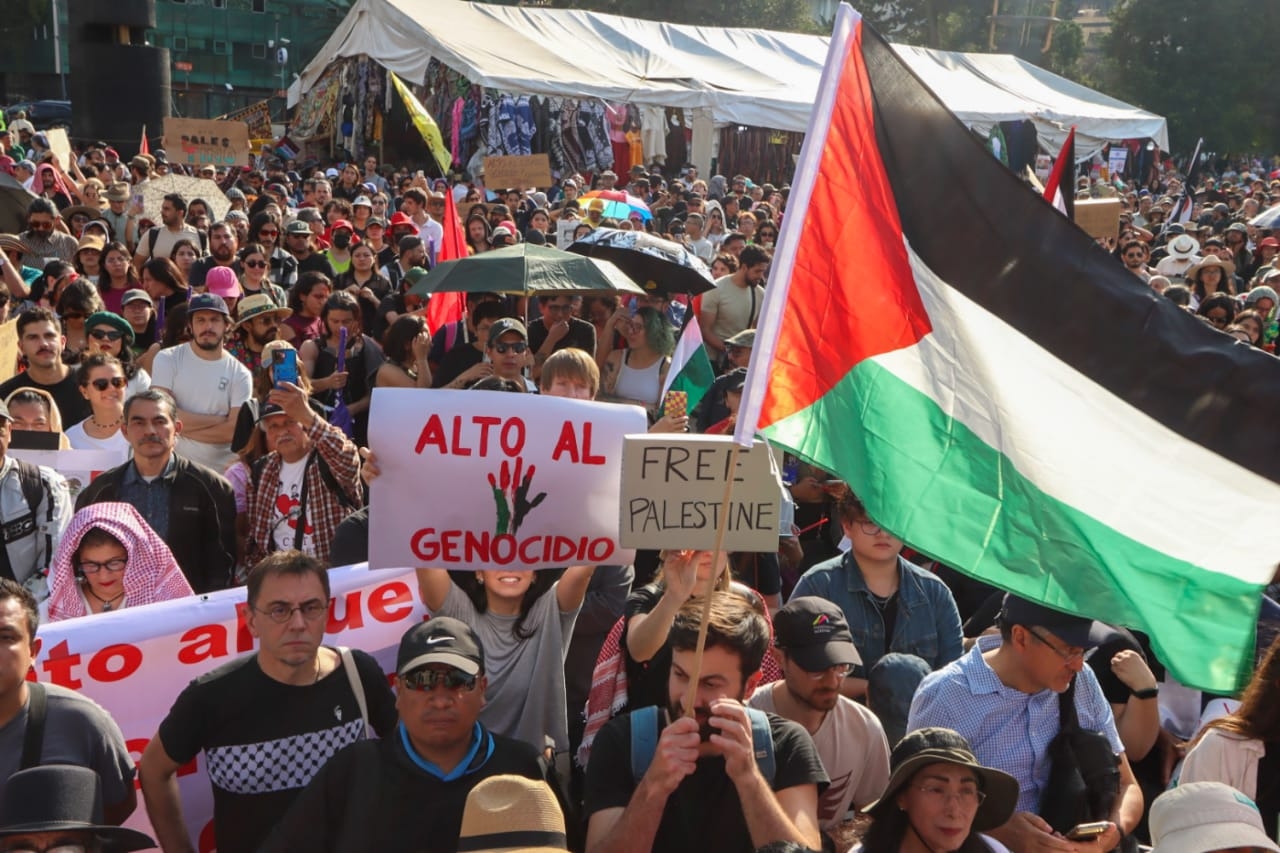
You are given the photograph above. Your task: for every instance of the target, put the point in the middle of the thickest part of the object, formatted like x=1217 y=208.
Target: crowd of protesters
x=891 y=704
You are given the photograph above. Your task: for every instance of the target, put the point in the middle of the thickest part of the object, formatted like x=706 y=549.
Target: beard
x=222 y=254
x=261 y=340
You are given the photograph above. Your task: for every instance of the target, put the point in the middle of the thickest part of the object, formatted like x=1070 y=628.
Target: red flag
x=1064 y=166
x=446 y=308
x=143 y=146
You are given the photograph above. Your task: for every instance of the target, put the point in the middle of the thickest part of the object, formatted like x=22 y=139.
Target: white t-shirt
x=81 y=440
x=853 y=748
x=432 y=234
x=703 y=249
x=736 y=308
x=286 y=508
x=203 y=387
x=166 y=239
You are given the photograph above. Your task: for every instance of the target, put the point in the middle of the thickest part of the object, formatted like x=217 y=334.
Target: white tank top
x=644 y=385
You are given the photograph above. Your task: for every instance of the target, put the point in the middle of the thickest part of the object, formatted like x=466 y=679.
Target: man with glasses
x=558 y=329
x=268 y=721
x=1003 y=696
x=190 y=506
x=891 y=605
x=44 y=243
x=815 y=651
x=302 y=490
x=299 y=245
x=420 y=775
x=1134 y=254
x=258 y=320
x=507 y=350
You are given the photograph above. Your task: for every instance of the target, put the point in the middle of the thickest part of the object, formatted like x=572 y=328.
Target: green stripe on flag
x=695 y=377
x=962 y=502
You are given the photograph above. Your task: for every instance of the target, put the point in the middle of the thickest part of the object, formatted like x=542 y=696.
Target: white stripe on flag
x=1083 y=445
x=769 y=324
x=686 y=348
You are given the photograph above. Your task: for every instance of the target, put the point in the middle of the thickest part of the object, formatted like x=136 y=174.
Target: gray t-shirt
x=526 y=695
x=76 y=731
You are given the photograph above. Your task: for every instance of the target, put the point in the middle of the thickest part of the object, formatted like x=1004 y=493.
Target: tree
x=1205 y=66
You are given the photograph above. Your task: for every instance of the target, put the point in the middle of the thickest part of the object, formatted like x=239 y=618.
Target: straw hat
x=1193 y=274
x=512 y=813
x=1183 y=247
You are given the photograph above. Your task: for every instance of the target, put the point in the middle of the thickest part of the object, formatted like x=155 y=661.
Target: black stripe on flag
x=1003 y=246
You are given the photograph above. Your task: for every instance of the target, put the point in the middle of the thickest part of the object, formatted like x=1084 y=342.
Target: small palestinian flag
x=1001 y=392
x=1056 y=193
x=691 y=370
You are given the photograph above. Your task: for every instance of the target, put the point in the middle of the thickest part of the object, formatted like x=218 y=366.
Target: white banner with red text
x=134 y=662
x=496 y=480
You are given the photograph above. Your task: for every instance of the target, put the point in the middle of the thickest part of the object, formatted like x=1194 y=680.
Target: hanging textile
x=653 y=133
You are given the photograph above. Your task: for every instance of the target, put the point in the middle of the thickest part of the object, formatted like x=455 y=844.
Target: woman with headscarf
x=110 y=558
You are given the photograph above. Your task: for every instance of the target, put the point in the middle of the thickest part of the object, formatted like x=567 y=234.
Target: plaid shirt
x=324 y=510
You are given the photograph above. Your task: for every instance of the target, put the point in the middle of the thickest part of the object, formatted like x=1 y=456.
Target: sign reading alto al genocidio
x=487 y=480
x=134 y=662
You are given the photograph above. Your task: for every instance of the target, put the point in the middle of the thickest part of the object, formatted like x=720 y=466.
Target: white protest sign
x=673 y=493
x=564 y=232
x=491 y=480
x=79 y=467
x=134 y=662
x=1117 y=159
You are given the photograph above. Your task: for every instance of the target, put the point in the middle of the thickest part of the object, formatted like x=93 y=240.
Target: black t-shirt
x=71 y=403
x=317 y=262
x=391 y=302
x=264 y=740
x=373 y=797
x=703 y=813
x=581 y=335
x=200 y=270
x=456 y=362
x=646 y=682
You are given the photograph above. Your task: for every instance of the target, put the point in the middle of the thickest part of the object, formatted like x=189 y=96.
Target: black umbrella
x=654 y=263
x=14 y=198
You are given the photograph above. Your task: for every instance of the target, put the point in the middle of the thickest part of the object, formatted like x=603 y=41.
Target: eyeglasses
x=1218 y=319
x=312 y=611
x=842 y=670
x=968 y=797
x=1069 y=657
x=870 y=528
x=106 y=335
x=40 y=226
x=257 y=265
x=90 y=567
x=113 y=382
x=514 y=346
x=426 y=680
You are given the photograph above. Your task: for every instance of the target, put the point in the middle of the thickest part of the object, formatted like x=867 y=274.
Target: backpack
x=326 y=475
x=33 y=491
x=154 y=233
x=646 y=726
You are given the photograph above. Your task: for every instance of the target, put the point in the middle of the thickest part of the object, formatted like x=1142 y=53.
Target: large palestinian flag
x=1001 y=392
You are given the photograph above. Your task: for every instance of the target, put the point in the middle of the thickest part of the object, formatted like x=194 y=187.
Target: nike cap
x=440 y=640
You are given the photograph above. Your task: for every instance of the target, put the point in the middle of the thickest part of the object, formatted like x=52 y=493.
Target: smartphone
x=1088 y=831
x=284 y=366
x=676 y=405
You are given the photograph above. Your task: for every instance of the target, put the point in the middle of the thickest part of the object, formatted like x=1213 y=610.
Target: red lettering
x=449 y=546
x=531 y=542
x=352 y=617
x=384 y=597
x=485 y=422
x=244 y=637
x=599 y=550
x=101 y=668
x=208 y=844
x=567 y=443
x=504 y=549
x=477 y=544
x=59 y=663
x=458 y=449
x=432 y=433
x=512 y=437
x=587 y=458
x=206 y=642
x=424 y=547
x=470 y=546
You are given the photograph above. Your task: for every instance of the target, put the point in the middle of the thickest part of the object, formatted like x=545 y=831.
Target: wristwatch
x=1149 y=693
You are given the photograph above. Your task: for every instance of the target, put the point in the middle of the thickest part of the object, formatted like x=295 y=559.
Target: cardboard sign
x=1099 y=217
x=207 y=142
x=673 y=494
x=522 y=173
x=79 y=467
x=134 y=662
x=60 y=145
x=8 y=349
x=490 y=480
x=256 y=116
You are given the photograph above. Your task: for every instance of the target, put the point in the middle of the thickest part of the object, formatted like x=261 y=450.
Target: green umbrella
x=525 y=269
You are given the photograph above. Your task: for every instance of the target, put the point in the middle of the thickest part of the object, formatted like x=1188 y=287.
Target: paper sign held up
x=523 y=172
x=206 y=142
x=1099 y=217
x=673 y=494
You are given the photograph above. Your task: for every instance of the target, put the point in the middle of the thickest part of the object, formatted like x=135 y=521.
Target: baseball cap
x=269 y=410
x=297 y=226
x=507 y=324
x=440 y=640
x=1197 y=817
x=745 y=339
x=1073 y=630
x=814 y=633
x=135 y=295
x=4 y=411
x=207 y=302
x=362 y=201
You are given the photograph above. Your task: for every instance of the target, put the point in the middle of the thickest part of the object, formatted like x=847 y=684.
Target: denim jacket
x=928 y=624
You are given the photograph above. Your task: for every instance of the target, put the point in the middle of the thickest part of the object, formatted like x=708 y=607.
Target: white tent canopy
x=754 y=77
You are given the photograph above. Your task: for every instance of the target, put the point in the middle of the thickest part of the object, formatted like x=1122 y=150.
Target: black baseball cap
x=440 y=640
x=814 y=633
x=1073 y=630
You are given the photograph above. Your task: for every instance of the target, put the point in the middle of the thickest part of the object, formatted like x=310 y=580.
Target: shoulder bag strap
x=33 y=738
x=357 y=686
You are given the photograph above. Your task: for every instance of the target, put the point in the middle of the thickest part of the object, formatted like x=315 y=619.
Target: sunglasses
x=40 y=226
x=113 y=382
x=106 y=335
x=515 y=346
x=425 y=680
x=268 y=232
x=255 y=264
